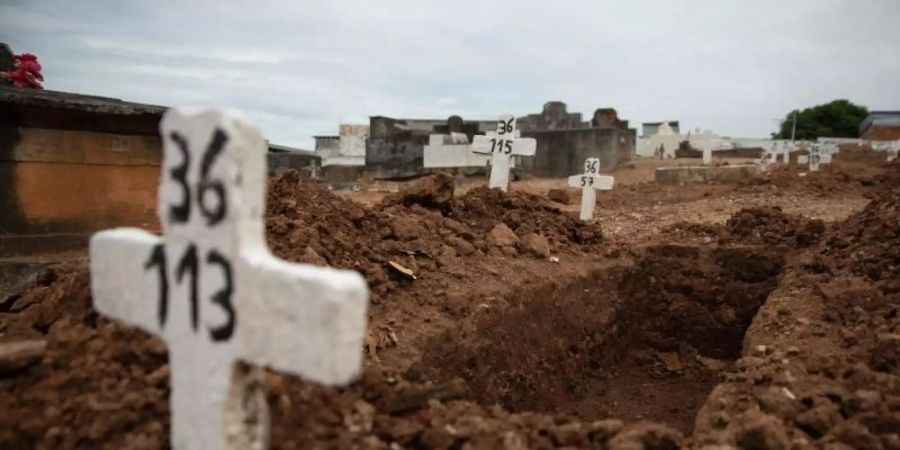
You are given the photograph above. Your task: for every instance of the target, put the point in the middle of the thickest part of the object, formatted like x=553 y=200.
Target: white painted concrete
x=590 y=182
x=501 y=148
x=210 y=288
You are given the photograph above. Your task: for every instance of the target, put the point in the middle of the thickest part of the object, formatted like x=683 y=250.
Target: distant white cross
x=502 y=146
x=765 y=160
x=210 y=288
x=893 y=150
x=815 y=157
x=786 y=152
x=707 y=156
x=590 y=182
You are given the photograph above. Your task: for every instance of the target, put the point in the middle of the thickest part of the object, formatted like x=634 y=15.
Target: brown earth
x=748 y=326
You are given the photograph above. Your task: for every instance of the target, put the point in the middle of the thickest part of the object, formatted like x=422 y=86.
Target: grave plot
x=646 y=342
x=767 y=331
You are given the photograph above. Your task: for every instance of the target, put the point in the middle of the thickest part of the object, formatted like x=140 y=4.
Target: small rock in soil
x=15 y=356
x=502 y=236
x=559 y=196
x=536 y=244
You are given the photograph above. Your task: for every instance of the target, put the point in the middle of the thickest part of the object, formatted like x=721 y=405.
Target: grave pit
x=648 y=341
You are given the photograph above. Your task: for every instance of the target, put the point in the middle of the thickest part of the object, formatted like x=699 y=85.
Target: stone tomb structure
x=73 y=164
x=395 y=148
x=564 y=140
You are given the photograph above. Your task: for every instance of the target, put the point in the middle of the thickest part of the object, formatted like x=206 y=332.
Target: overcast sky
x=300 y=68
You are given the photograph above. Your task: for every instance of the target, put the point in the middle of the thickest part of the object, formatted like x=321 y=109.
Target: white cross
x=502 y=147
x=893 y=150
x=786 y=152
x=590 y=182
x=765 y=160
x=707 y=156
x=815 y=157
x=210 y=288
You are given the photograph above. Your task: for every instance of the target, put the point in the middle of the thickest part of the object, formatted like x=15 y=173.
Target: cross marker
x=210 y=288
x=501 y=147
x=590 y=182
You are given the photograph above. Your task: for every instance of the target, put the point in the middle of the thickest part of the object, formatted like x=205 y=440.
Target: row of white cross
x=212 y=290
x=818 y=154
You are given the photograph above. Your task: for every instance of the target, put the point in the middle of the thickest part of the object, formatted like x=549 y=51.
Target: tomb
x=564 y=141
x=72 y=164
x=395 y=148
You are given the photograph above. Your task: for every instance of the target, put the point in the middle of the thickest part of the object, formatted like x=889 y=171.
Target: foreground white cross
x=590 y=182
x=502 y=147
x=211 y=289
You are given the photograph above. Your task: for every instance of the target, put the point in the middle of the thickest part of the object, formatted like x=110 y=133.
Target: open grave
x=498 y=320
x=647 y=341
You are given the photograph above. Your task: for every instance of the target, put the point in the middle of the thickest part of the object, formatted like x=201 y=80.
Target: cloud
x=298 y=69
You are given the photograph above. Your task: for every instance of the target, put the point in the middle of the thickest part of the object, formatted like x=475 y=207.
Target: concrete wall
x=396 y=146
x=58 y=186
x=882 y=133
x=561 y=153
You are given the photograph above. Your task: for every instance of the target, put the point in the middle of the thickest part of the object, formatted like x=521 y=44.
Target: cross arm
x=307 y=320
x=504 y=145
x=126 y=264
x=598 y=182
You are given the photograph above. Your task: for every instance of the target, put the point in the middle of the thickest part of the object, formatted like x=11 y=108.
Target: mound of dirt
x=433 y=191
x=420 y=229
x=98 y=384
x=868 y=243
x=820 y=367
x=761 y=225
x=770 y=225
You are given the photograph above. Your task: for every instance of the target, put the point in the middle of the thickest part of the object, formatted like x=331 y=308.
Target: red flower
x=25 y=57
x=27 y=73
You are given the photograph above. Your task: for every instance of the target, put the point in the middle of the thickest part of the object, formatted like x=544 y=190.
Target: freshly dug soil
x=626 y=364
x=762 y=225
x=424 y=228
x=642 y=343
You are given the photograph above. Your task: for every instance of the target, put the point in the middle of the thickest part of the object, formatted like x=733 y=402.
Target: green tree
x=838 y=118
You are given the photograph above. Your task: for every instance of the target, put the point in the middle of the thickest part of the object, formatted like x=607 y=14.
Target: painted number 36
x=203 y=193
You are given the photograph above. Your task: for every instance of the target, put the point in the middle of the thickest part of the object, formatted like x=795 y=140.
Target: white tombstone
x=501 y=147
x=590 y=182
x=211 y=289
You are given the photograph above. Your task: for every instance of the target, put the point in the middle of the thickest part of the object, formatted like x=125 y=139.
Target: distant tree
x=838 y=118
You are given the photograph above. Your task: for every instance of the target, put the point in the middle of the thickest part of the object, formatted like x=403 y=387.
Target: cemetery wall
x=72 y=164
x=882 y=133
x=561 y=153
